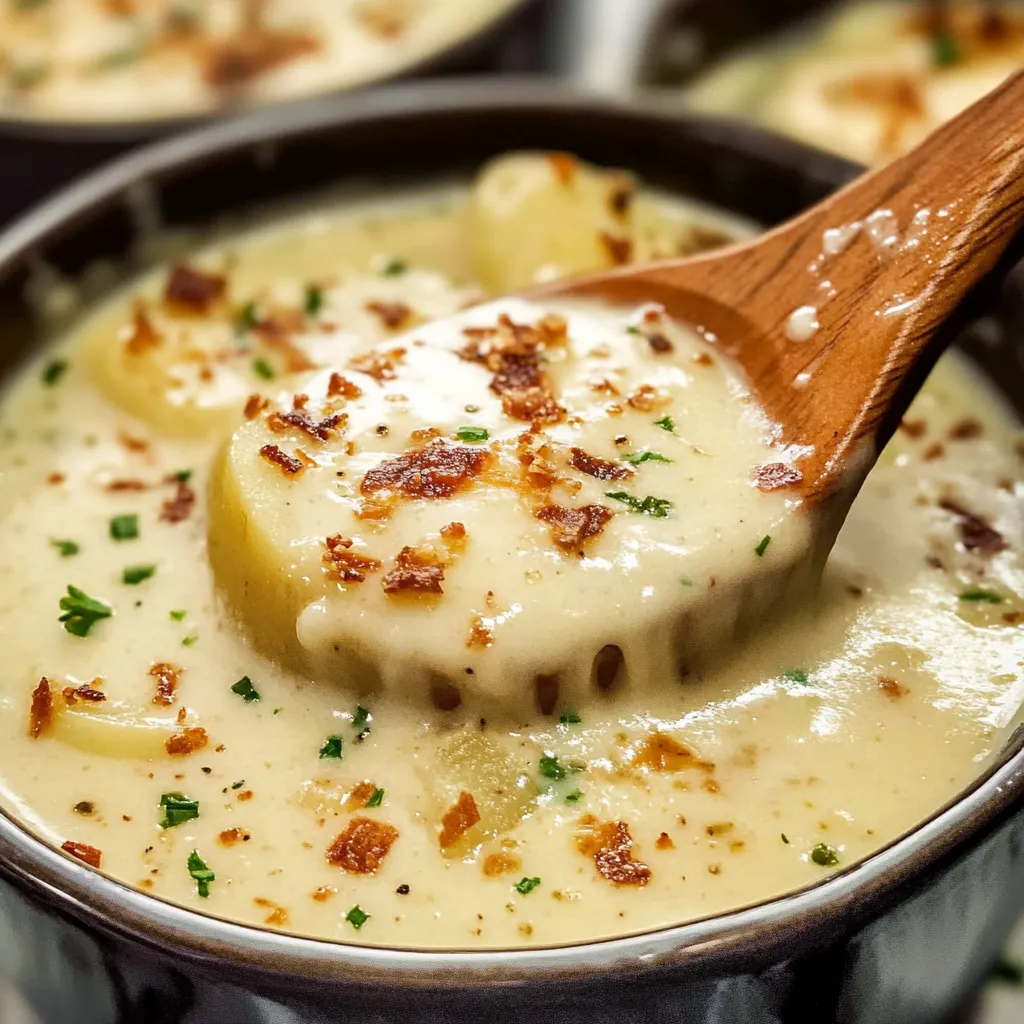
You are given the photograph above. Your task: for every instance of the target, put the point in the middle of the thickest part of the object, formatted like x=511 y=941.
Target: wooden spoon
x=836 y=317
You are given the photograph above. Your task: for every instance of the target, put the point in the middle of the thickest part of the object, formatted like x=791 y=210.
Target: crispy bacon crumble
x=438 y=470
x=774 y=475
x=343 y=565
x=339 y=386
x=178 y=508
x=458 y=820
x=415 y=571
x=976 y=534
x=362 y=847
x=193 y=291
x=392 y=315
x=320 y=431
x=611 y=846
x=571 y=528
x=41 y=711
x=288 y=464
x=86 y=692
x=166 y=676
x=84 y=852
x=600 y=469
x=188 y=741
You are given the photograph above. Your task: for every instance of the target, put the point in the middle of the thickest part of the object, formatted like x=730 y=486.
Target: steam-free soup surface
x=232 y=714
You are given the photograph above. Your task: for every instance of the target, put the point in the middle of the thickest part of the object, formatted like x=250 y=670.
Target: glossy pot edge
x=747 y=940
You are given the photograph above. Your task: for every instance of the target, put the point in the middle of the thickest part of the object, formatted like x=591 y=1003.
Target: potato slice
x=113 y=729
x=537 y=216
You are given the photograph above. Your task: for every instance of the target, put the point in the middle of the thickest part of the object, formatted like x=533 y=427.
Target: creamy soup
x=873 y=78
x=345 y=624
x=105 y=60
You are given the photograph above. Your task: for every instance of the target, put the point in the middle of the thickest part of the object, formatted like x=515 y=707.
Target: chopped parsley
x=137 y=573
x=551 y=768
x=1007 y=972
x=183 y=476
x=574 y=797
x=262 y=368
x=201 y=873
x=376 y=798
x=82 y=612
x=638 y=458
x=333 y=747
x=278 y=711
x=796 y=675
x=314 y=300
x=66 y=548
x=763 y=546
x=395 y=268
x=945 y=48
x=656 y=508
x=785 y=838
x=666 y=423
x=824 y=855
x=525 y=885
x=246 y=690
x=53 y=371
x=981 y=596
x=686 y=581
x=248 y=317
x=569 y=718
x=472 y=435
x=178 y=615
x=357 y=917
x=361 y=718
x=176 y=809
x=188 y=641
x=124 y=527
x=633 y=329
x=238 y=785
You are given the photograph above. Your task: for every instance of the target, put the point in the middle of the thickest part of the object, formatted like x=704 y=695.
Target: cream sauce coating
x=805 y=749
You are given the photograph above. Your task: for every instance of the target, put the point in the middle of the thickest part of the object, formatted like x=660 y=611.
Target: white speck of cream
x=802 y=323
x=882 y=228
x=835 y=240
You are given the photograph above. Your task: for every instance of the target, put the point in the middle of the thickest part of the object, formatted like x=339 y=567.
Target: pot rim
x=748 y=939
x=136 y=130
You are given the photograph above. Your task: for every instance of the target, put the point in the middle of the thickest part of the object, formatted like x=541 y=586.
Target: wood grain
x=884 y=315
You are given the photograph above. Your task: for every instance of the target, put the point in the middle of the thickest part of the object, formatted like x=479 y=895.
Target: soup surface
x=341 y=625
x=872 y=78
x=106 y=60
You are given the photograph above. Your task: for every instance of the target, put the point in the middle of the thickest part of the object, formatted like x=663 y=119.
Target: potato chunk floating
x=503 y=510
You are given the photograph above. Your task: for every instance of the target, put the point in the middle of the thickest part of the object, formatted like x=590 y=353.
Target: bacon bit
x=285 y=462
x=362 y=847
x=178 y=508
x=254 y=405
x=83 y=852
x=661 y=753
x=702 y=359
x=647 y=398
x=891 y=688
x=421 y=435
x=620 y=250
x=660 y=345
x=393 y=315
x=774 y=475
x=192 y=291
x=664 y=842
x=502 y=863
x=245 y=796
x=611 y=845
x=73 y=694
x=56 y=478
x=381 y=366
x=359 y=795
x=132 y=444
x=913 y=428
x=565 y=166
x=252 y=52
x=458 y=820
x=480 y=633
x=454 y=536
x=438 y=470
x=1012 y=618
x=279 y=422
x=231 y=836
x=933 y=452
x=415 y=571
x=41 y=712
x=532 y=405
x=342 y=386
x=343 y=565
x=188 y=741
x=182 y=716
x=600 y=469
x=323 y=893
x=278 y=916
x=965 y=429
x=166 y=676
x=976 y=533
x=118 y=486
x=604 y=386
x=144 y=335
x=571 y=528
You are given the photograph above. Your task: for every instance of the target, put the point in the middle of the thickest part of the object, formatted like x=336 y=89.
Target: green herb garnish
x=472 y=435
x=376 y=798
x=638 y=458
x=201 y=873
x=333 y=747
x=574 y=797
x=245 y=690
x=550 y=767
x=633 y=329
x=82 y=612
x=361 y=718
x=656 y=508
x=179 y=614
x=666 y=423
x=262 y=368
x=945 y=49
x=66 y=548
x=981 y=596
x=238 y=785
x=569 y=718
x=137 y=573
x=526 y=885
x=124 y=527
x=824 y=855
x=796 y=675
x=248 y=317
x=183 y=476
x=118 y=58
x=176 y=809
x=53 y=371
x=763 y=546
x=357 y=917
x=24 y=76
x=314 y=300
x=393 y=268
x=188 y=641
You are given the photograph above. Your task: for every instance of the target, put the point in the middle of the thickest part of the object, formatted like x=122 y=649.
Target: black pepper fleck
x=403 y=890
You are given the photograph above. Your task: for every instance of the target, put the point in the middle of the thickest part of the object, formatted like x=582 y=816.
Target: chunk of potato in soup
x=233 y=461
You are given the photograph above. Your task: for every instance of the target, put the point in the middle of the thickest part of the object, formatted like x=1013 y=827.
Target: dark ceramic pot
x=36 y=157
x=898 y=939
